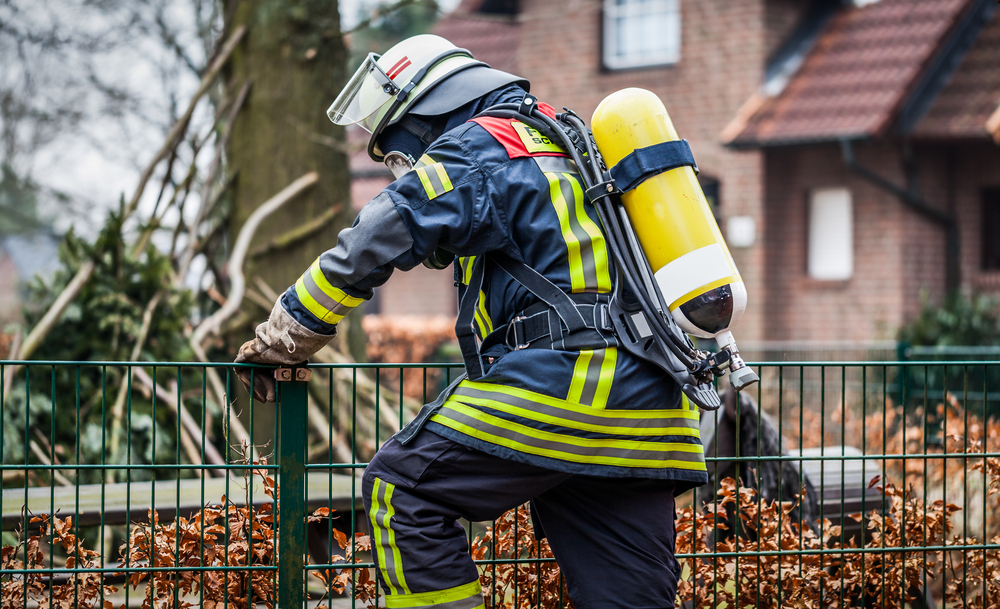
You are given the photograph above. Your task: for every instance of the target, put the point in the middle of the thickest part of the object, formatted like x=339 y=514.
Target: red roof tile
x=972 y=93
x=856 y=76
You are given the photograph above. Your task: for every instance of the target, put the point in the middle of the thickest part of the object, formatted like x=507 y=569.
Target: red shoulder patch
x=505 y=131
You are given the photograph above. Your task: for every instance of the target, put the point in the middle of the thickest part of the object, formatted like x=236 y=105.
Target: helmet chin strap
x=427 y=132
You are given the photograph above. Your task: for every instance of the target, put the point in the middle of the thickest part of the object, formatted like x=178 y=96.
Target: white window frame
x=639 y=14
x=830 y=241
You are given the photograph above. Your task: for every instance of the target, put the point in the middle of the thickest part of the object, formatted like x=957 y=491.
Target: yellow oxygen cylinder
x=673 y=222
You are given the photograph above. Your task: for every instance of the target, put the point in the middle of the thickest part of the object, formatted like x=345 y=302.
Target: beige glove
x=279 y=340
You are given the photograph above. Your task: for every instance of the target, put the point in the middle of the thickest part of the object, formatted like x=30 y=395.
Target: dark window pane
x=991 y=229
x=710 y=186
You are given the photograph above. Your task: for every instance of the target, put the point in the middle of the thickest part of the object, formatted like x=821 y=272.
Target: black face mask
x=413 y=135
x=400 y=139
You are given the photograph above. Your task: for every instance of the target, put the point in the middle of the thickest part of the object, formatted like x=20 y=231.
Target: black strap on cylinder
x=528 y=104
x=644 y=163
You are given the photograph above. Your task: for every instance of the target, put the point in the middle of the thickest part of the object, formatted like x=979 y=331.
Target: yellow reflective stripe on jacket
x=581 y=418
x=384 y=538
x=435 y=180
x=424 y=161
x=482 y=316
x=471 y=592
x=586 y=249
x=613 y=452
x=593 y=374
x=327 y=303
x=466 y=263
x=483 y=320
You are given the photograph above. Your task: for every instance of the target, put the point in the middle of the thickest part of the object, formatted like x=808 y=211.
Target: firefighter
x=551 y=412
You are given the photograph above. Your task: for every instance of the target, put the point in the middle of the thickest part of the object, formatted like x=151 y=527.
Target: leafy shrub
x=957 y=321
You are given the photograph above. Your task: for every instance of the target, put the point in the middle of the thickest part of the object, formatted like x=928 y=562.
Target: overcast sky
x=99 y=159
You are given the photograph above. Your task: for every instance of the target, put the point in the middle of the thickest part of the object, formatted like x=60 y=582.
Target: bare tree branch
x=384 y=11
x=302 y=231
x=181 y=125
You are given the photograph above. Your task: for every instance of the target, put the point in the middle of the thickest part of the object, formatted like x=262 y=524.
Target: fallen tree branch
x=48 y=321
x=235 y=264
x=220 y=395
x=302 y=231
x=238 y=287
x=140 y=341
x=189 y=427
x=38 y=452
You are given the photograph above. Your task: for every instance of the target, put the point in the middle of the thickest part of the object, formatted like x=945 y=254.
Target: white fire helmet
x=425 y=75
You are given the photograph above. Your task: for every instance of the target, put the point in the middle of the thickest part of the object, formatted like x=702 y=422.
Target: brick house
x=848 y=147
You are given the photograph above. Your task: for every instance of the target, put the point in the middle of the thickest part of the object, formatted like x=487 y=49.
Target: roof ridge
x=939 y=65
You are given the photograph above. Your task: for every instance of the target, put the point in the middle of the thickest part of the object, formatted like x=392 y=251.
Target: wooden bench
x=122 y=503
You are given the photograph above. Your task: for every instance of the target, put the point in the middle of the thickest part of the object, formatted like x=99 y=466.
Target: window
x=710 y=187
x=641 y=33
x=831 y=234
x=991 y=230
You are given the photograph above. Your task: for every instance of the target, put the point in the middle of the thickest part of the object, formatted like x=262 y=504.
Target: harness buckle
x=517 y=345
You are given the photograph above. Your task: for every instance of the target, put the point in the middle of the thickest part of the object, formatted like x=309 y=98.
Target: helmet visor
x=367 y=91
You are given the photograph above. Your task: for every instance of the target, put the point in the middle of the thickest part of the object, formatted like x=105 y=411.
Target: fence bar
x=924 y=428
x=291 y=493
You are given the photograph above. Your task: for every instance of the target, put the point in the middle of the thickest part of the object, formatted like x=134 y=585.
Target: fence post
x=291 y=491
x=903 y=354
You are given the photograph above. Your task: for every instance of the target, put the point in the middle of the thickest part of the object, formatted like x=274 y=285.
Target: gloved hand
x=279 y=340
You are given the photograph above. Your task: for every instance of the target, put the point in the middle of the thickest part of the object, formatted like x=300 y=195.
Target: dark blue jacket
x=494 y=184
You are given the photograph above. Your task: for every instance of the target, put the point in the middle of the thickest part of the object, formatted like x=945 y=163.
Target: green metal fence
x=157 y=481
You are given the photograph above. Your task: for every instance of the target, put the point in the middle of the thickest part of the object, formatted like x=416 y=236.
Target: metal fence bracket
x=292 y=374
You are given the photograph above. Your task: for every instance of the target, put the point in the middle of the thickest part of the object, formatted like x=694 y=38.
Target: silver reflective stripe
x=376 y=239
x=558 y=164
x=322 y=298
x=593 y=377
x=587 y=255
x=435 y=180
x=384 y=535
x=641 y=425
x=463 y=603
x=553 y=448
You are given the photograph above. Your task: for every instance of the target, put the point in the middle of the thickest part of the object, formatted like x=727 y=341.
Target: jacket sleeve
x=445 y=201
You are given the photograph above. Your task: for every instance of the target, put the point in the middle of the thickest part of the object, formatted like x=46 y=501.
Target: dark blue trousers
x=612 y=537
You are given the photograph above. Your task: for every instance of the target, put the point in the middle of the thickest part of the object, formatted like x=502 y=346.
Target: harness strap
x=536 y=327
x=561 y=321
x=545 y=290
x=465 y=325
